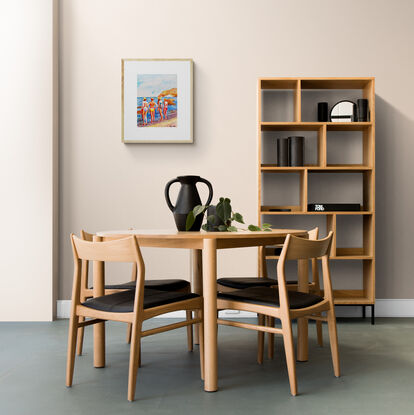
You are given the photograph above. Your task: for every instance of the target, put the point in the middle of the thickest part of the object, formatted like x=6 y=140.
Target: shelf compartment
x=314 y=144
x=324 y=187
x=336 y=83
x=292 y=191
x=348 y=126
x=290 y=126
x=277 y=96
x=356 y=297
x=278 y=83
x=266 y=210
x=351 y=253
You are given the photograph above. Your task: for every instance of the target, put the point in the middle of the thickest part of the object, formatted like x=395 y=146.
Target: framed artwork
x=157 y=100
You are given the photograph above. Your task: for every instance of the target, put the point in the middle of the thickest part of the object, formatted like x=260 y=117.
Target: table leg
x=197 y=281
x=303 y=286
x=99 y=328
x=210 y=314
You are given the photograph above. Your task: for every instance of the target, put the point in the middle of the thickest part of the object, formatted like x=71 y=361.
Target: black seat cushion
x=270 y=297
x=162 y=285
x=123 y=302
x=240 y=283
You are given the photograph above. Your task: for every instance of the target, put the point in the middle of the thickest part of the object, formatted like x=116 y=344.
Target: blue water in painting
x=172 y=109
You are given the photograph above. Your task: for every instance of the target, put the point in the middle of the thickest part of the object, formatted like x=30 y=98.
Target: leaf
x=220 y=210
x=204 y=227
x=266 y=225
x=267 y=229
x=199 y=209
x=211 y=219
x=232 y=229
x=253 y=228
x=190 y=221
x=222 y=228
x=227 y=210
x=238 y=218
x=221 y=200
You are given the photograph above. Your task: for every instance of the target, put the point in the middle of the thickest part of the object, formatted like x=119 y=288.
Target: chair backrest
x=120 y=250
x=301 y=248
x=86 y=236
x=296 y=248
x=312 y=235
x=116 y=250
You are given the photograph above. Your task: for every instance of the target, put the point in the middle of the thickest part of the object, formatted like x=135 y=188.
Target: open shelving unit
x=288 y=105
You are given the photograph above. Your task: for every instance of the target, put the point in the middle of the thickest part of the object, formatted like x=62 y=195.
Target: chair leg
x=319 y=332
x=270 y=338
x=189 y=316
x=201 y=346
x=290 y=354
x=81 y=330
x=333 y=339
x=128 y=333
x=70 y=362
x=134 y=357
x=260 y=339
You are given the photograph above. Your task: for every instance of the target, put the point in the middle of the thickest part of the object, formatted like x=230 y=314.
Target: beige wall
x=27 y=162
x=109 y=185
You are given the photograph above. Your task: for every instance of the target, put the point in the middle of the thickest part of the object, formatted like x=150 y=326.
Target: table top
x=194 y=240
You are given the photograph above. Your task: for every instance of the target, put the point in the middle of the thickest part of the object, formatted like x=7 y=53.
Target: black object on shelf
x=362 y=110
x=296 y=150
x=279 y=210
x=323 y=115
x=282 y=152
x=334 y=207
x=343 y=111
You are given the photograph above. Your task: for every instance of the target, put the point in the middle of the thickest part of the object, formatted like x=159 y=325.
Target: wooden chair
x=286 y=305
x=129 y=306
x=177 y=285
x=228 y=284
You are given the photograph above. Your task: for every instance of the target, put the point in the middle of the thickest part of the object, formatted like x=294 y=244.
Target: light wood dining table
x=204 y=246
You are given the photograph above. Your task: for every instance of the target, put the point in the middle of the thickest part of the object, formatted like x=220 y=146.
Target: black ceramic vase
x=187 y=199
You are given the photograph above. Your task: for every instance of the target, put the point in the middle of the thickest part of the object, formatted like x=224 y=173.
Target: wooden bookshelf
x=295 y=88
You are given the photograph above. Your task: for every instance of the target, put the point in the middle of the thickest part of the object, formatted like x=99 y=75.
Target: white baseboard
x=383 y=308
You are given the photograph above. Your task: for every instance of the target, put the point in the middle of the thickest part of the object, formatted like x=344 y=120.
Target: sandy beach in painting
x=172 y=122
x=157 y=100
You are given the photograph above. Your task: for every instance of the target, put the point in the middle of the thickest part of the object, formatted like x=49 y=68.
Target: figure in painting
x=160 y=108
x=152 y=107
x=144 y=111
x=165 y=109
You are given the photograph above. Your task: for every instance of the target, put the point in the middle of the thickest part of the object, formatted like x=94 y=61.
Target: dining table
x=204 y=247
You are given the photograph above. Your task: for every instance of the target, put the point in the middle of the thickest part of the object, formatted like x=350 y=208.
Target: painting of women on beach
x=151 y=112
x=157 y=100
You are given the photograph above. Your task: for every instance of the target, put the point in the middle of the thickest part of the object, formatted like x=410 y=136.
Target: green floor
x=377 y=367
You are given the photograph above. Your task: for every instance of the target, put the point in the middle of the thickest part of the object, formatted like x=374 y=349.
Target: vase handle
x=210 y=189
x=167 y=193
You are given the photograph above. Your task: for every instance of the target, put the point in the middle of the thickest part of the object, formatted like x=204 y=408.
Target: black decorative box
x=334 y=207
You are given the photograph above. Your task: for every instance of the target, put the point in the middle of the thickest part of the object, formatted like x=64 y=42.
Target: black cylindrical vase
x=362 y=110
x=296 y=144
x=282 y=152
x=323 y=112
